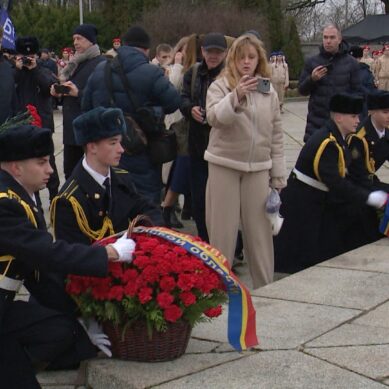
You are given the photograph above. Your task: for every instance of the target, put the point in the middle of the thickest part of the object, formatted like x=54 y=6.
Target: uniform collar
x=99 y=178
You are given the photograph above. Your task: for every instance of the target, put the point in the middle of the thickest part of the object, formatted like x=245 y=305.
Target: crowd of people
x=223 y=98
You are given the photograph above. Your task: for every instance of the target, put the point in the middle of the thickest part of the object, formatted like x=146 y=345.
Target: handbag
x=161 y=143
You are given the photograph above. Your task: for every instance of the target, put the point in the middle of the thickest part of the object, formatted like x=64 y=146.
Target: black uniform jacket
x=80 y=213
x=369 y=153
x=23 y=236
x=320 y=224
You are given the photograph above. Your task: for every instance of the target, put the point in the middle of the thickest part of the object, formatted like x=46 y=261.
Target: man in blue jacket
x=149 y=87
x=330 y=72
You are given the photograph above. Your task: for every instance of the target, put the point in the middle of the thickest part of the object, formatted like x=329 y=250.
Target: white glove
x=124 y=247
x=377 y=199
x=97 y=336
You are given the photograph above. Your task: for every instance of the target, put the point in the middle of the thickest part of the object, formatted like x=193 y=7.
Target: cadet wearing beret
x=35 y=333
x=370 y=145
x=87 y=208
x=325 y=212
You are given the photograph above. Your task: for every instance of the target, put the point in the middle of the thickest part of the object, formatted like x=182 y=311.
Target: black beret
x=99 y=123
x=378 y=100
x=346 y=103
x=27 y=45
x=137 y=37
x=24 y=142
x=88 y=31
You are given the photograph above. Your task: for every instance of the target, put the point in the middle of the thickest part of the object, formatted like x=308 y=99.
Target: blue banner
x=9 y=35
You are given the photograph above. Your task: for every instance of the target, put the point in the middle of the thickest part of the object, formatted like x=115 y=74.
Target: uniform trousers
x=280 y=89
x=233 y=196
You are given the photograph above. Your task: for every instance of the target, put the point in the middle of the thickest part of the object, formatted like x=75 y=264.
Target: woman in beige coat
x=245 y=157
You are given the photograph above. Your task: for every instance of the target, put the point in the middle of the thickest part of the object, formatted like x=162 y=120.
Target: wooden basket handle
x=136 y=221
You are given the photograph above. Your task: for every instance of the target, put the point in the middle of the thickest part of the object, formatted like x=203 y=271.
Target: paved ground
x=325 y=327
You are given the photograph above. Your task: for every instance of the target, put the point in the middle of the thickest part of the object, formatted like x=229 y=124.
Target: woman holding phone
x=245 y=157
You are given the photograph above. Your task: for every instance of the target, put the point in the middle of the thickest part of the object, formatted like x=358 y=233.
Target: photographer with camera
x=33 y=82
x=245 y=156
x=330 y=72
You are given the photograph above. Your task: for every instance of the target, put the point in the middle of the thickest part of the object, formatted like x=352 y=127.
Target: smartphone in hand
x=61 y=89
x=263 y=85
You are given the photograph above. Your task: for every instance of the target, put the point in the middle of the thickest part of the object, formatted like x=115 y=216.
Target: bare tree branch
x=301 y=4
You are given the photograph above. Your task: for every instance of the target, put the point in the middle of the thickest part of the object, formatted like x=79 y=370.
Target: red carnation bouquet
x=163 y=284
x=30 y=116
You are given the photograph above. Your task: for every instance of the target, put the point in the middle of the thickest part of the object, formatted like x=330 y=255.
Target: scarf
x=70 y=68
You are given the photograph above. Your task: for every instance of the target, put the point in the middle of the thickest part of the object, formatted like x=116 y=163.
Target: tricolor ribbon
x=241 y=313
x=384 y=224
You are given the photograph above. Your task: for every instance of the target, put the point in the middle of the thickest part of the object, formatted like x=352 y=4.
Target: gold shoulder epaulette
x=12 y=195
x=319 y=153
x=119 y=171
x=69 y=190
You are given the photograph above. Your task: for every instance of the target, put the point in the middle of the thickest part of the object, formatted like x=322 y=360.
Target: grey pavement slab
x=58 y=377
x=281 y=324
x=378 y=317
x=352 y=334
x=370 y=361
x=372 y=257
x=275 y=370
x=115 y=374
x=331 y=286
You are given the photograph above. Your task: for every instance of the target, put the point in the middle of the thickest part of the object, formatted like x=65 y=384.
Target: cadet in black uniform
x=87 y=207
x=321 y=206
x=34 y=334
x=370 y=145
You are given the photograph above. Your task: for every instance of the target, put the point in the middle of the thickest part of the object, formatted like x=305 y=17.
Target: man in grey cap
x=214 y=51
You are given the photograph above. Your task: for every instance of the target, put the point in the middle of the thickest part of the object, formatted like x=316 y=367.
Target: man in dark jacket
x=7 y=87
x=149 y=87
x=33 y=83
x=214 y=50
x=37 y=334
x=330 y=72
x=75 y=75
x=325 y=213
x=105 y=195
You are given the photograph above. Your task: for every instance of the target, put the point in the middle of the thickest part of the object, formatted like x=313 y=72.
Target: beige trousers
x=280 y=89
x=383 y=83
x=232 y=197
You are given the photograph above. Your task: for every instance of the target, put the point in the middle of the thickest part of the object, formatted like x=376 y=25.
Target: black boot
x=170 y=218
x=186 y=213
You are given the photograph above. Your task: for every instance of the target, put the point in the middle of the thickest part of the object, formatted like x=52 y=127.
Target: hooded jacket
x=245 y=136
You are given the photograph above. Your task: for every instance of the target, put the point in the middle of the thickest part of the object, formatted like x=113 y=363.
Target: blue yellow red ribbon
x=384 y=224
x=241 y=313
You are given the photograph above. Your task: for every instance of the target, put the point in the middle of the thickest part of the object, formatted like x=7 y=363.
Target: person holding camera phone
x=33 y=82
x=330 y=72
x=245 y=156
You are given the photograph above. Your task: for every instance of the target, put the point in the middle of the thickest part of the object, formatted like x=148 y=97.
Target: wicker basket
x=135 y=345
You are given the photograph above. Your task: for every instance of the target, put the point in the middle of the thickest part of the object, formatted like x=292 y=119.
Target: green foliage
x=292 y=50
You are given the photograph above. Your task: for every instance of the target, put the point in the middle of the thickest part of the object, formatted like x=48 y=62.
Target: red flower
x=145 y=295
x=150 y=274
x=116 y=293
x=142 y=261
x=36 y=119
x=186 y=282
x=167 y=283
x=188 y=298
x=164 y=299
x=172 y=313
x=115 y=269
x=129 y=275
x=130 y=289
x=179 y=250
x=213 y=312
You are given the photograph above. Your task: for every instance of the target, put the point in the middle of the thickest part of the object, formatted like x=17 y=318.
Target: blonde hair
x=238 y=47
x=192 y=53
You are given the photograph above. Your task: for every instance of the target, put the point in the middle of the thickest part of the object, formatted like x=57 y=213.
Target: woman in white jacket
x=245 y=157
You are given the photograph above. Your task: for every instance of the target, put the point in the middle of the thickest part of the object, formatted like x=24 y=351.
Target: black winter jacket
x=147 y=82
x=33 y=87
x=72 y=105
x=7 y=90
x=198 y=133
x=343 y=76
